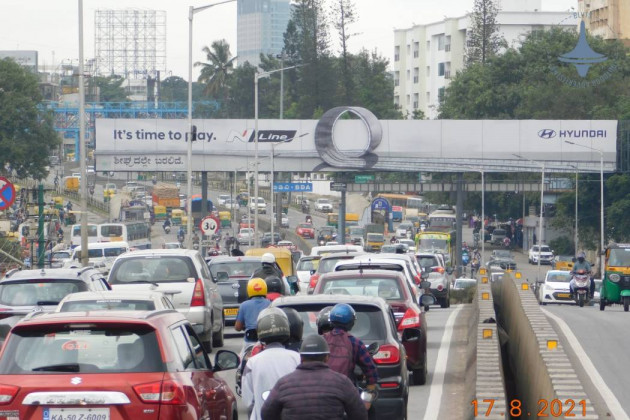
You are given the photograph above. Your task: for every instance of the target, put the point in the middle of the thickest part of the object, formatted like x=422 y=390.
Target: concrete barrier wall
x=541 y=374
x=489 y=379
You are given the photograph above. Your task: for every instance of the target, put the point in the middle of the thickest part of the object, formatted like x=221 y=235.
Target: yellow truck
x=71 y=183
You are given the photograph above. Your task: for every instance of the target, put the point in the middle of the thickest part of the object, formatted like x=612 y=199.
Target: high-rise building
x=609 y=19
x=260 y=28
x=427 y=56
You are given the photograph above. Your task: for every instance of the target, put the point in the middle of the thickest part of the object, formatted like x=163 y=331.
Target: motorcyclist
x=167 y=223
x=296 y=327
x=181 y=234
x=263 y=370
x=346 y=351
x=247 y=316
x=579 y=265
x=274 y=287
x=323 y=322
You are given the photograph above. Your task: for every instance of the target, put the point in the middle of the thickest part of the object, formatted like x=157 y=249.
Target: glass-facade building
x=260 y=28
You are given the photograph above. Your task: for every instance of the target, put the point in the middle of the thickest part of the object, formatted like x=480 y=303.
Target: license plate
x=230 y=311
x=564 y=295
x=76 y=414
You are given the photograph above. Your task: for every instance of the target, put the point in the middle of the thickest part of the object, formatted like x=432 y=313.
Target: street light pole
x=576 y=211
x=82 y=151
x=191 y=12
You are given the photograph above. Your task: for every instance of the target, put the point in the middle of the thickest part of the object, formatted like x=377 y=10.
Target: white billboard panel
x=363 y=143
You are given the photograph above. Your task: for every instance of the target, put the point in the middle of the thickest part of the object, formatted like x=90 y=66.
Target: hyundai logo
x=546 y=133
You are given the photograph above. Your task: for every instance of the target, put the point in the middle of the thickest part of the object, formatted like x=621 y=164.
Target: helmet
x=272 y=326
x=314 y=345
x=268 y=258
x=581 y=255
x=343 y=316
x=323 y=323
x=274 y=284
x=296 y=324
x=256 y=287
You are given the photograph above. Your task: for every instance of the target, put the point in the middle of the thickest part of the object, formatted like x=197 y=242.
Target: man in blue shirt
x=247 y=317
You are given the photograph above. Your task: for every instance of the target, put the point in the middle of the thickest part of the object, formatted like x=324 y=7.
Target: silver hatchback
x=171 y=270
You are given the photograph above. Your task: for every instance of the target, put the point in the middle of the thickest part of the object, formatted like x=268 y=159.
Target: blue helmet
x=343 y=316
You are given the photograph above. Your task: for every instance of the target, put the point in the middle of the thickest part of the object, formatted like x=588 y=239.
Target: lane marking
x=439 y=371
x=599 y=384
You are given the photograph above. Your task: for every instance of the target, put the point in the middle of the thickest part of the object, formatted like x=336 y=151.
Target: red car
x=305 y=230
x=397 y=292
x=112 y=366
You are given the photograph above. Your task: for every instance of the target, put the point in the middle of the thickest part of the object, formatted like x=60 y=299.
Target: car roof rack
x=159 y=312
x=11 y=272
x=84 y=269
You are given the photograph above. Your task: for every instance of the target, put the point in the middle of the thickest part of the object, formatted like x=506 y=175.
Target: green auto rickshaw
x=616 y=282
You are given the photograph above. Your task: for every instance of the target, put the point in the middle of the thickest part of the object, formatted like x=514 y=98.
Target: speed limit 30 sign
x=209 y=225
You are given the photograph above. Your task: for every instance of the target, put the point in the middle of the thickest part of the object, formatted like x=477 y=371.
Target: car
x=410 y=266
x=464 y=284
x=115 y=300
x=284 y=220
x=403 y=299
x=328 y=249
x=374 y=323
x=498 y=235
x=257 y=205
x=306 y=267
x=175 y=269
x=265 y=241
x=410 y=243
x=231 y=203
x=404 y=230
x=326 y=234
x=563 y=262
x=113 y=365
x=327 y=264
x=440 y=287
x=245 y=235
x=545 y=253
x=555 y=288
x=223 y=199
x=502 y=258
x=357 y=236
x=57 y=259
x=25 y=291
x=182 y=201
x=323 y=205
x=305 y=230
x=232 y=275
x=287 y=244
x=429 y=261
x=172 y=245
x=396 y=248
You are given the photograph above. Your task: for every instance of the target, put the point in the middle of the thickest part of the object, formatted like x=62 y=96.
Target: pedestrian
x=314 y=391
x=346 y=351
x=263 y=370
x=247 y=316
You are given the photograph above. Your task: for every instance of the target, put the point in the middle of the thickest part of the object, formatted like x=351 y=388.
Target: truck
x=166 y=195
x=71 y=183
x=374 y=237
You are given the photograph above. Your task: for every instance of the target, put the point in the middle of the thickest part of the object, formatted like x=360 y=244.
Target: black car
x=502 y=258
x=375 y=323
x=25 y=291
x=265 y=241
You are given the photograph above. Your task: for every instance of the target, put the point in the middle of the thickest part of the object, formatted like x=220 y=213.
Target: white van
x=99 y=254
x=327 y=249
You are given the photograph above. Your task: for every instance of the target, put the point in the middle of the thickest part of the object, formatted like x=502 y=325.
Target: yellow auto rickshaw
x=58 y=201
x=284 y=258
x=225 y=219
x=159 y=212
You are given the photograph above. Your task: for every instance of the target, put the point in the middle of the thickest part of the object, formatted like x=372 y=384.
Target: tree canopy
x=27 y=135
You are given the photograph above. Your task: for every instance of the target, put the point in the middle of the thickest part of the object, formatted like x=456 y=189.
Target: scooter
x=167 y=228
x=581 y=288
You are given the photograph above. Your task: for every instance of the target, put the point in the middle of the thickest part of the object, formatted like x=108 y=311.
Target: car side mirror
x=223 y=276
x=225 y=360
x=424 y=275
x=426 y=300
x=449 y=270
x=293 y=284
x=373 y=348
x=312 y=272
x=425 y=285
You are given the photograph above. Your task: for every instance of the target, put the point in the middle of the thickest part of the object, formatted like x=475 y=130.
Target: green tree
x=375 y=85
x=110 y=89
x=27 y=135
x=174 y=89
x=484 y=40
x=215 y=73
x=241 y=85
x=343 y=14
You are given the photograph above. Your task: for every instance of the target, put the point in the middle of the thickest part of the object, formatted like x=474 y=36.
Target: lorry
x=166 y=195
x=71 y=183
x=374 y=237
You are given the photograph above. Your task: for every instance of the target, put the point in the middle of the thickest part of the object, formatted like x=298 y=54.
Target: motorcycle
x=581 y=287
x=167 y=229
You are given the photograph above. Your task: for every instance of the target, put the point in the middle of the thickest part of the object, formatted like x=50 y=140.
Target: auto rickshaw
x=160 y=212
x=176 y=216
x=616 y=282
x=58 y=201
x=225 y=219
x=285 y=259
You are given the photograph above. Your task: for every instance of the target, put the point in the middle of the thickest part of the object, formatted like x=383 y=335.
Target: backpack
x=341 y=353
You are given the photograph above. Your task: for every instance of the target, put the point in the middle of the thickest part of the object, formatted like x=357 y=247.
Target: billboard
x=338 y=143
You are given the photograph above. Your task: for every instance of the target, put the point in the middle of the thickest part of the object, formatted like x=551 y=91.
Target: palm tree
x=214 y=74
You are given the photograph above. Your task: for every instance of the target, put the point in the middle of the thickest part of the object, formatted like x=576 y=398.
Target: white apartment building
x=427 y=56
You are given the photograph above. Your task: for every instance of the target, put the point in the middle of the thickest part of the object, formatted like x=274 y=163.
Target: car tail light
x=411 y=319
x=313 y=282
x=387 y=354
x=438 y=270
x=198 y=297
x=167 y=392
x=7 y=393
x=417 y=278
x=440 y=287
x=389 y=385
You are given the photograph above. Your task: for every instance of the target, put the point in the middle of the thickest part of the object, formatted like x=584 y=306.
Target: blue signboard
x=380 y=204
x=292 y=186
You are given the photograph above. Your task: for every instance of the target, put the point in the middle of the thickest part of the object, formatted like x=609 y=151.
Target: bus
x=440 y=242
x=403 y=202
x=75 y=235
x=136 y=234
x=332 y=219
x=443 y=219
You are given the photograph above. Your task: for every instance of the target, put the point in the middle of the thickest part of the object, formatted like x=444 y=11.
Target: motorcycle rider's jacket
x=577 y=266
x=358 y=355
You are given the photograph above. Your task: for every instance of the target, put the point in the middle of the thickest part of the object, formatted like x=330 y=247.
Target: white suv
x=545 y=253
x=324 y=205
x=258 y=205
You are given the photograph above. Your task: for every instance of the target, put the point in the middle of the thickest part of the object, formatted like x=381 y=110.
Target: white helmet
x=268 y=258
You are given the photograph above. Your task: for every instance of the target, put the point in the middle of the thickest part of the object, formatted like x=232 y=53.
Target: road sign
x=338 y=186
x=363 y=179
x=7 y=193
x=209 y=225
x=292 y=186
x=380 y=204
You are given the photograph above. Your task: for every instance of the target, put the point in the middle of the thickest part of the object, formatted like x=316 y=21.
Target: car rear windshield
x=155 y=269
x=307 y=265
x=235 y=269
x=369 y=326
x=41 y=292
x=81 y=348
x=564 y=277
x=375 y=237
x=328 y=264
x=108 y=305
x=427 y=262
x=386 y=288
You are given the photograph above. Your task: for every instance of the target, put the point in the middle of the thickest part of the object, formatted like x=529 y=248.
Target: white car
x=258 y=205
x=545 y=253
x=324 y=205
x=555 y=288
x=403 y=231
x=245 y=235
x=284 y=220
x=305 y=268
x=182 y=201
x=117 y=300
x=223 y=198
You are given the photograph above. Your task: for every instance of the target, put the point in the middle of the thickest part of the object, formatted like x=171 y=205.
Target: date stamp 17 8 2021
x=554 y=408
